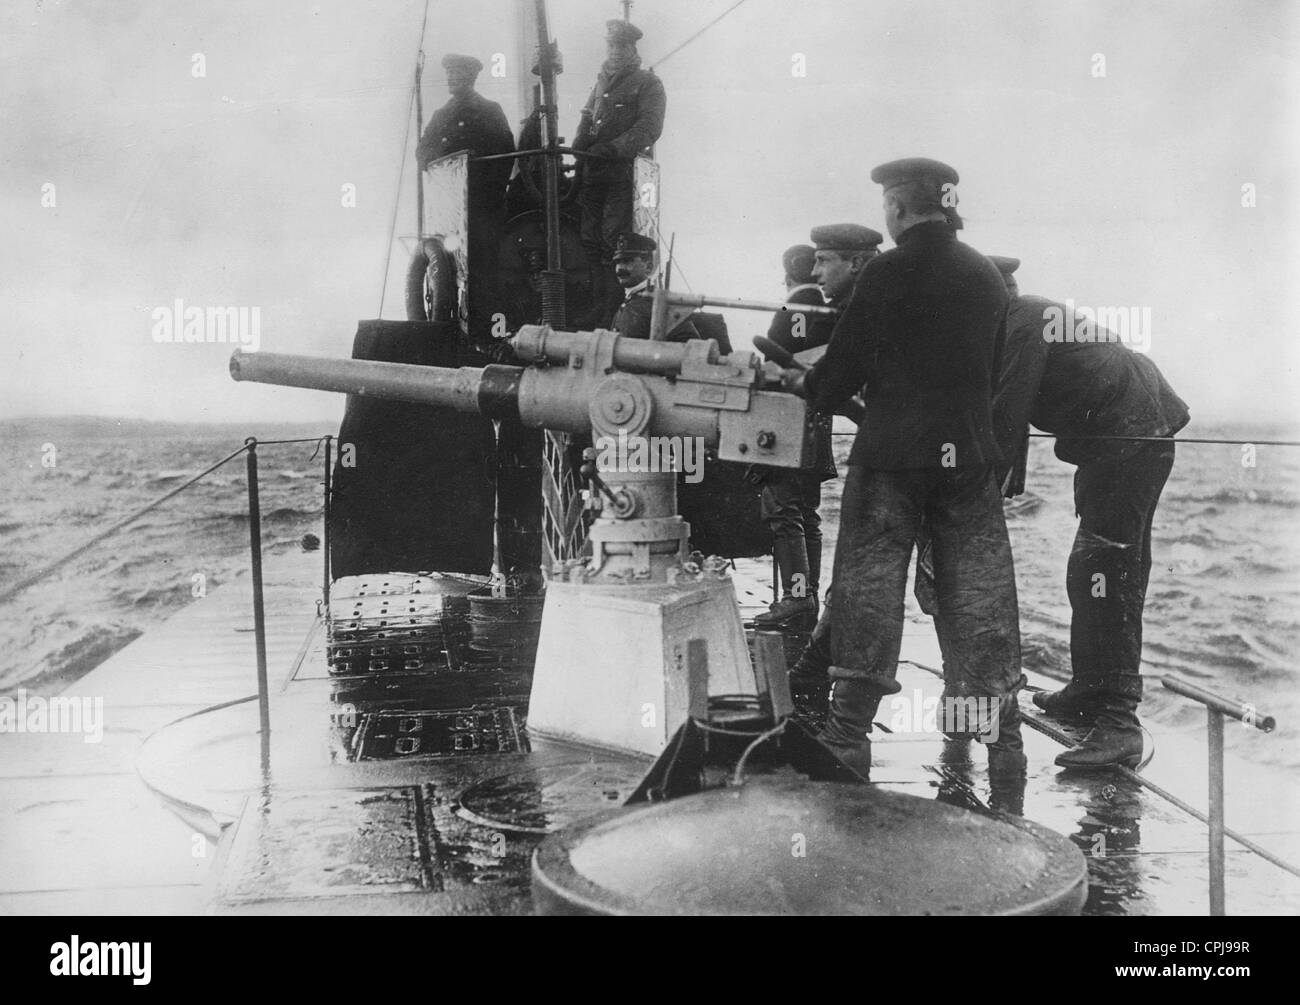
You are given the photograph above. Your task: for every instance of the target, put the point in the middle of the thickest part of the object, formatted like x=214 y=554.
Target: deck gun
x=635 y=637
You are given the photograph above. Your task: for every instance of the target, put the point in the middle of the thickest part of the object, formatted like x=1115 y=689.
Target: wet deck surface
x=356 y=815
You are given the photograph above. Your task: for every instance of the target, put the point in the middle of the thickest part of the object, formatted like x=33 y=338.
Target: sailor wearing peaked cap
x=452 y=62
x=622 y=32
x=634 y=256
x=790 y=499
x=634 y=246
x=913 y=169
x=623 y=117
x=469 y=122
x=795 y=331
x=845 y=237
x=798 y=263
x=842 y=250
x=920 y=334
x=925 y=186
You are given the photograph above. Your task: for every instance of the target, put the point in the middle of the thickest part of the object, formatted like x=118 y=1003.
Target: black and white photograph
x=650 y=458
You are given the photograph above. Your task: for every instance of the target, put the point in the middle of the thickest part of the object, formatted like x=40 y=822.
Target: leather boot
x=1077 y=700
x=790 y=611
x=1116 y=736
x=855 y=697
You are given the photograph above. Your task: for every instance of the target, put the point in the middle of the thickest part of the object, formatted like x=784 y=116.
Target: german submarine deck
x=345 y=821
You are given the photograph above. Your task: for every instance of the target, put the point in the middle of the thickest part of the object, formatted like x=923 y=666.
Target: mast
x=419 y=131
x=553 y=307
x=525 y=54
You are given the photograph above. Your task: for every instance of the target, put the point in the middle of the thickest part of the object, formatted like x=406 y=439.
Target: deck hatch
x=394 y=735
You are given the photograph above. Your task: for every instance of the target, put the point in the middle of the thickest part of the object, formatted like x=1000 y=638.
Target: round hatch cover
x=804 y=848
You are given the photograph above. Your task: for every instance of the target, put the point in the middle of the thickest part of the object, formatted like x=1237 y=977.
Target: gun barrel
x=492 y=391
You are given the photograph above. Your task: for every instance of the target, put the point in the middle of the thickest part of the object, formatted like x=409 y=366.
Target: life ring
x=431 y=283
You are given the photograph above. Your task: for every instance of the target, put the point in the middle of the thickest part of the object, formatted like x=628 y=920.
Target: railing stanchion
x=325 y=588
x=259 y=613
x=1214 y=725
x=1216 y=708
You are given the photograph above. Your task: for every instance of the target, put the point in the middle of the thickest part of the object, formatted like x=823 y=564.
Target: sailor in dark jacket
x=470 y=122
x=791 y=330
x=634 y=257
x=790 y=500
x=1098 y=387
x=623 y=117
x=920 y=332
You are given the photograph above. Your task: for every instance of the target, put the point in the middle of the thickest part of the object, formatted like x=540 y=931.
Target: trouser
x=788 y=504
x=1106 y=578
x=979 y=628
x=605 y=202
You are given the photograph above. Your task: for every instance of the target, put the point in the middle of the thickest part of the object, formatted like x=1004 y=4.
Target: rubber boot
x=790 y=611
x=811 y=668
x=1116 y=735
x=813 y=549
x=1008 y=766
x=855 y=697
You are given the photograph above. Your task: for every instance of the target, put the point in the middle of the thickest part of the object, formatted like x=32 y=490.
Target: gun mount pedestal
x=635 y=639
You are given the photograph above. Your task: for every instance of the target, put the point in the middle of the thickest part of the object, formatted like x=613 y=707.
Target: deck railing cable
x=249 y=450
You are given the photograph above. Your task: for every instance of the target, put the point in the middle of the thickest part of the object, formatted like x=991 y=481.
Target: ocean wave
x=1238 y=494
x=279 y=514
x=90 y=647
x=1024 y=505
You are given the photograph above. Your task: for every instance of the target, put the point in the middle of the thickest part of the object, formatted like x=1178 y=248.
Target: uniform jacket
x=921 y=331
x=1093 y=388
x=627 y=112
x=633 y=320
x=473 y=123
x=817 y=327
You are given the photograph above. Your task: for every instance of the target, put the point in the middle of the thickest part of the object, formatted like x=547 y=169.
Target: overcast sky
x=224 y=190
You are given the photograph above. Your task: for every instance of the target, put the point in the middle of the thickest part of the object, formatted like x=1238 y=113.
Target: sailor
x=790 y=499
x=841 y=253
x=470 y=122
x=1084 y=391
x=790 y=329
x=623 y=117
x=920 y=331
x=634 y=256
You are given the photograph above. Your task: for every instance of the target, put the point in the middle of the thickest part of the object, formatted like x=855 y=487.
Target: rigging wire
x=1156 y=439
x=401 y=171
x=397 y=202
x=673 y=52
